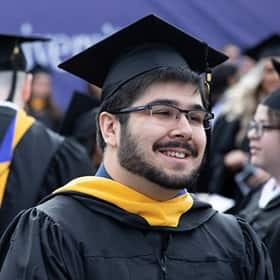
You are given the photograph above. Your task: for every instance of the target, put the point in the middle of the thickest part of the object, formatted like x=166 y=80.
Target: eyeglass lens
x=170 y=115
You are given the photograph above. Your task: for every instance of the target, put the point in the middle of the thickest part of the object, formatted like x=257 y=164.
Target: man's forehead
x=175 y=93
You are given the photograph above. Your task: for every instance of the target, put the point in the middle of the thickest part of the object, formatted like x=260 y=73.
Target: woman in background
x=229 y=144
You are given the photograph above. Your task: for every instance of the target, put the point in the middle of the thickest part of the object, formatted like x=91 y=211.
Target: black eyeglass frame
x=260 y=127
x=208 y=115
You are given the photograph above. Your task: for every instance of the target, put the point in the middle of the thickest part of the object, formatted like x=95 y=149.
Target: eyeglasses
x=170 y=114
x=259 y=128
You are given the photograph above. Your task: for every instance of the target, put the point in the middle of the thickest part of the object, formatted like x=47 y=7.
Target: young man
x=33 y=160
x=134 y=219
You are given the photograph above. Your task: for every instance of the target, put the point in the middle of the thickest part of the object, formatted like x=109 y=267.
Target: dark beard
x=131 y=158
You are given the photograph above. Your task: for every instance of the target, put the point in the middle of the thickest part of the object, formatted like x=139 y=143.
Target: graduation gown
x=96 y=228
x=221 y=180
x=272 y=240
x=266 y=223
x=261 y=219
x=41 y=162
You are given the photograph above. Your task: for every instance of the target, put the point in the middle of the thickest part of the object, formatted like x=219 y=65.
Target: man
x=33 y=160
x=134 y=219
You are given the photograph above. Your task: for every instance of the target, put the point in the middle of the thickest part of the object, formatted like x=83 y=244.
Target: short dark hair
x=135 y=88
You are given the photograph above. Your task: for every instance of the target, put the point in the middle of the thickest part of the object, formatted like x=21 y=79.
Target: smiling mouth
x=173 y=154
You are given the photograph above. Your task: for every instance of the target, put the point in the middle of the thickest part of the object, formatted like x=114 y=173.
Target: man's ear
x=26 y=89
x=109 y=127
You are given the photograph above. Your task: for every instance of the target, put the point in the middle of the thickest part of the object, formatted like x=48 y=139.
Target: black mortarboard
x=144 y=45
x=273 y=100
x=276 y=65
x=12 y=57
x=73 y=122
x=270 y=46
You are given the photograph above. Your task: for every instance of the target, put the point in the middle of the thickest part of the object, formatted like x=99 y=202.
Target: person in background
x=273 y=235
x=276 y=65
x=80 y=123
x=93 y=90
x=224 y=76
x=262 y=207
x=236 y=57
x=41 y=104
x=135 y=219
x=33 y=159
x=233 y=53
x=229 y=146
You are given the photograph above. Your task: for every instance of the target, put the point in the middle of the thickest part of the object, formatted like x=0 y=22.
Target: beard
x=131 y=157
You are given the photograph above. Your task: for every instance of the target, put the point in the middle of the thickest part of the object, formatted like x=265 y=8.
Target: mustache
x=176 y=144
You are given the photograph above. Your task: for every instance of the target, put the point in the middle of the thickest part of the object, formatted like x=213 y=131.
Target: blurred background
x=75 y=25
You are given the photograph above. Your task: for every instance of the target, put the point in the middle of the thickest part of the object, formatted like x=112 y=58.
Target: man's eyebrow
x=175 y=103
x=164 y=102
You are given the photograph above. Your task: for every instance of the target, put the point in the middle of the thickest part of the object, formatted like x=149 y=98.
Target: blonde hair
x=241 y=100
x=5 y=86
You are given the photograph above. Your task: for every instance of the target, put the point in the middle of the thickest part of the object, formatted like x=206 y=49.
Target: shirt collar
x=102 y=172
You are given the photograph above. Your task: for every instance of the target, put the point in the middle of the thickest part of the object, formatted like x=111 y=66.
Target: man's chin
x=180 y=172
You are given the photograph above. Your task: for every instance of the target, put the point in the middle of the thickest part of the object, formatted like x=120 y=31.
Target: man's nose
x=182 y=128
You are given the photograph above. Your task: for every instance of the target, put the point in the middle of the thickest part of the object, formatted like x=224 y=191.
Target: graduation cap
x=76 y=121
x=273 y=100
x=270 y=46
x=276 y=65
x=147 y=44
x=12 y=57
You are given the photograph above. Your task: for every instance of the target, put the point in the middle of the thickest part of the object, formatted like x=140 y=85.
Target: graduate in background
x=41 y=104
x=33 y=159
x=229 y=154
x=262 y=208
x=80 y=123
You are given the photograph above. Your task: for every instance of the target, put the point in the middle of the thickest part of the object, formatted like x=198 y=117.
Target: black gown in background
x=41 y=162
x=273 y=244
x=220 y=179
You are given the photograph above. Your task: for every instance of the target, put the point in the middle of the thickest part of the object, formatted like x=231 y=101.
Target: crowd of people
x=108 y=190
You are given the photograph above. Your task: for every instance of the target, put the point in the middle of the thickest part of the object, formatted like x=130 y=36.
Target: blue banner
x=75 y=25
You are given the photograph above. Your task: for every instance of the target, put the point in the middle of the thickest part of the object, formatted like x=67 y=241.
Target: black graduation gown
x=261 y=219
x=272 y=240
x=75 y=236
x=220 y=179
x=266 y=223
x=41 y=162
x=44 y=116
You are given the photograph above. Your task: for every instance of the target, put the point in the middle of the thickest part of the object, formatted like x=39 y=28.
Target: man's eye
x=162 y=112
x=196 y=118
